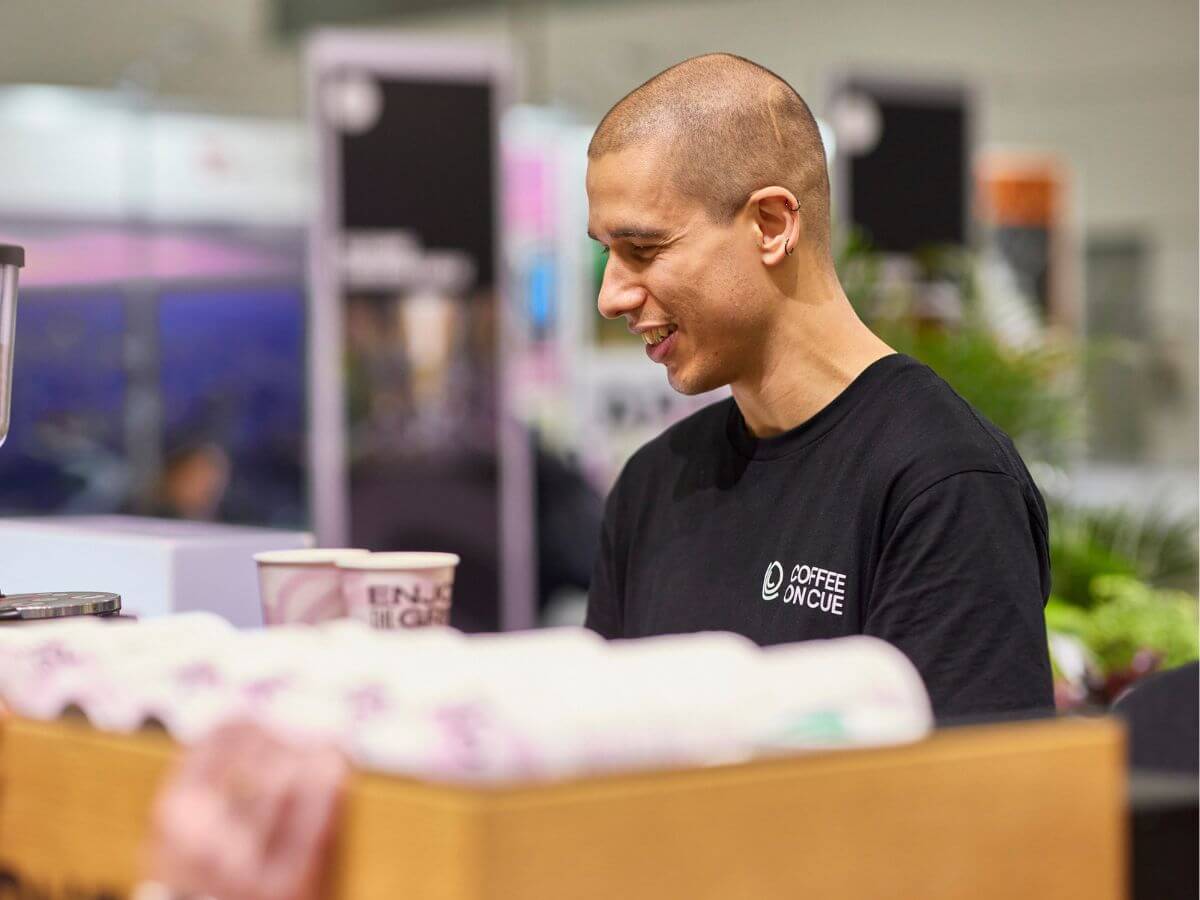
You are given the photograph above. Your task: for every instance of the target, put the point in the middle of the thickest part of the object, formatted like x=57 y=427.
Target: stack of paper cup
x=302 y=586
x=398 y=590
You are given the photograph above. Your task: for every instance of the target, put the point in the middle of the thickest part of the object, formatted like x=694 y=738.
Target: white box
x=158 y=566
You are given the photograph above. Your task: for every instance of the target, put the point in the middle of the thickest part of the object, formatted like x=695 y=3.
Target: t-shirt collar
x=746 y=444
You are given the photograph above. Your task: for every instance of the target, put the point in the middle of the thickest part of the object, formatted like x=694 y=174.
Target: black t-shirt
x=896 y=511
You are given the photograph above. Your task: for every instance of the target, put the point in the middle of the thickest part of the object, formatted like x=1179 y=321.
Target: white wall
x=84 y=154
x=1110 y=84
x=216 y=52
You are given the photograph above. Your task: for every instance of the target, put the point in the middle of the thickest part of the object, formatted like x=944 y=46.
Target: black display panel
x=426 y=165
x=909 y=190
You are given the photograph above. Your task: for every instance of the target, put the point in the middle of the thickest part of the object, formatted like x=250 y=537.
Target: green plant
x=1152 y=546
x=1129 y=617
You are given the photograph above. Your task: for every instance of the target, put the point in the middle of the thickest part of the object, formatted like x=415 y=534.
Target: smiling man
x=843 y=489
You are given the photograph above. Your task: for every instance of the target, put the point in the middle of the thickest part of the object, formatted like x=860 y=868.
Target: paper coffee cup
x=302 y=586
x=399 y=590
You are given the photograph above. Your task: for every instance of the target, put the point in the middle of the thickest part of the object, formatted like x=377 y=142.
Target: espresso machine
x=54 y=605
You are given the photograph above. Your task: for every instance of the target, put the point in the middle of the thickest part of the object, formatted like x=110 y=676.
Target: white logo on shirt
x=772 y=581
x=811 y=586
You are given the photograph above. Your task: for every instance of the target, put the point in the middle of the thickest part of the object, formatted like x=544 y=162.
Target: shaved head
x=733 y=127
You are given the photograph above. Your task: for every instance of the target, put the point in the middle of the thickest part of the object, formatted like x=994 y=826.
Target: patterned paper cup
x=302 y=585
x=399 y=590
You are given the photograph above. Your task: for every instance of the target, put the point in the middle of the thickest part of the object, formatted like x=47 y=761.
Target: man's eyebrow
x=642 y=234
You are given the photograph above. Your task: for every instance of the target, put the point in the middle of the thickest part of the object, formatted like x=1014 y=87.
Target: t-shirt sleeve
x=605 y=592
x=960 y=588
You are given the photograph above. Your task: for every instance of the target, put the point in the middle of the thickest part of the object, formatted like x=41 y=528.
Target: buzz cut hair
x=733 y=127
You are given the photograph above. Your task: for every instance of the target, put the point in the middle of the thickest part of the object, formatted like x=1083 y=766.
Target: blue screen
x=231 y=377
x=65 y=447
x=232 y=373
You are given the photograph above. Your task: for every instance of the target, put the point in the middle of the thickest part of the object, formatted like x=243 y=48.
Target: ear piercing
x=786 y=249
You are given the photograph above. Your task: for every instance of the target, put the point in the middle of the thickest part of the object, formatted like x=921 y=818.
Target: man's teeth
x=655 y=335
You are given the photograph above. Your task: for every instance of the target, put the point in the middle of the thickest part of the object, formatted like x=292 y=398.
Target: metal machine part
x=59 y=604
x=12 y=259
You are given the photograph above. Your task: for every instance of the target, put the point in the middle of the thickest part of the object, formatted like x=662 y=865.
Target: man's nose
x=619 y=294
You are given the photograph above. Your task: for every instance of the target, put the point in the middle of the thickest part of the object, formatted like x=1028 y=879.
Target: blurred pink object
x=97 y=255
x=244 y=816
x=302 y=586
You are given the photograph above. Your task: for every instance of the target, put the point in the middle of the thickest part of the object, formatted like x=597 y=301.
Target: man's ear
x=775 y=217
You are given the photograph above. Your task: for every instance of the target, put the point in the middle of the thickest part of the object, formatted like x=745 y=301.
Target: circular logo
x=772 y=581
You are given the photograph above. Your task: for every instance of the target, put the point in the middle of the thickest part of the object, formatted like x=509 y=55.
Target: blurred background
x=1015 y=201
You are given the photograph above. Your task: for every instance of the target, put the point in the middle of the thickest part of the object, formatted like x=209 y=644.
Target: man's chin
x=690 y=384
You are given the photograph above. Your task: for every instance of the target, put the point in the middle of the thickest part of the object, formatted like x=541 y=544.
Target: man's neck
x=818 y=347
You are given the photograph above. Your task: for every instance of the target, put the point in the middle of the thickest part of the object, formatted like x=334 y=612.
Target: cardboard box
x=158 y=566
x=1032 y=810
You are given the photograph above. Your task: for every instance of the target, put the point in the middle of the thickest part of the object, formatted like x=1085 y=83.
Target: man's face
x=669 y=265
